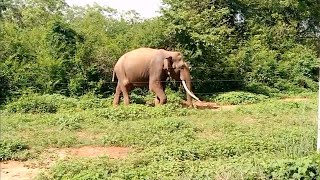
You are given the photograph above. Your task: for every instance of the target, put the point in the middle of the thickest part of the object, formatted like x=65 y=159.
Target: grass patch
x=138 y=112
x=269 y=139
x=148 y=133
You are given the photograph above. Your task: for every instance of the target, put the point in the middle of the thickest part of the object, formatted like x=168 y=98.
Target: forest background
x=261 y=46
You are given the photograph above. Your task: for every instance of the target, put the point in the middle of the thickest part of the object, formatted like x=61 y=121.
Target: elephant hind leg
x=125 y=92
x=117 y=95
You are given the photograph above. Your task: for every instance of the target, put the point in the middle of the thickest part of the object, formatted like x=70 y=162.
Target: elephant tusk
x=189 y=92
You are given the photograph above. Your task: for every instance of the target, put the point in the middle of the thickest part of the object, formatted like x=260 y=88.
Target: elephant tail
x=113 y=76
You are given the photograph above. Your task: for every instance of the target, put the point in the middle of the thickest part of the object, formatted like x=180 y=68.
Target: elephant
x=151 y=67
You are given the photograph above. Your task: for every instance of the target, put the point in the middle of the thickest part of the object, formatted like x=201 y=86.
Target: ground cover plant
x=272 y=139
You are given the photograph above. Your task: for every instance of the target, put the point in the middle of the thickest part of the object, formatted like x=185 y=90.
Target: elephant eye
x=182 y=67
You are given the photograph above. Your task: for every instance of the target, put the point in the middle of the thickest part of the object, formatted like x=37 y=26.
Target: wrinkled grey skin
x=149 y=67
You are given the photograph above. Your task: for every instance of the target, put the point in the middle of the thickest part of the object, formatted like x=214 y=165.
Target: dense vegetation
x=258 y=46
x=56 y=63
x=274 y=139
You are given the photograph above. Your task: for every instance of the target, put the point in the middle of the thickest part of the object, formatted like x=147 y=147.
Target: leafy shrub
x=80 y=169
x=174 y=97
x=69 y=122
x=9 y=149
x=260 y=88
x=236 y=98
x=90 y=101
x=34 y=104
x=141 y=96
x=304 y=168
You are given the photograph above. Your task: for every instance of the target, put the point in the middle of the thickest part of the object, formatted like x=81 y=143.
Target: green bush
x=260 y=88
x=34 y=104
x=304 y=168
x=79 y=169
x=237 y=98
x=90 y=101
x=10 y=149
x=69 y=122
x=174 y=97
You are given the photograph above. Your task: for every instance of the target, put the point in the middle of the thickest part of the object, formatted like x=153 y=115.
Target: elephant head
x=178 y=69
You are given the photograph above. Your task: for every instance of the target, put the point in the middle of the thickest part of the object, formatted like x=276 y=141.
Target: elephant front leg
x=157 y=88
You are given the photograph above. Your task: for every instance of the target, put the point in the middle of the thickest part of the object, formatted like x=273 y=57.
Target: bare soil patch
x=215 y=106
x=295 y=99
x=26 y=170
x=205 y=105
x=210 y=105
x=202 y=105
x=91 y=152
x=85 y=136
x=249 y=120
x=14 y=170
x=211 y=135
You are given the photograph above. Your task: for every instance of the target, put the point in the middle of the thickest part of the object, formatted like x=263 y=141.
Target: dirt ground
x=295 y=99
x=27 y=170
x=210 y=105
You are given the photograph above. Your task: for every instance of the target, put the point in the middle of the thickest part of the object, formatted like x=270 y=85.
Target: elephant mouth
x=189 y=92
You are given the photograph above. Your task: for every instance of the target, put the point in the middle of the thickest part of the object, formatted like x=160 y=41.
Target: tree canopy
x=260 y=46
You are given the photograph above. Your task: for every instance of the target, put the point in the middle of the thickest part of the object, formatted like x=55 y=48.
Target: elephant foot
x=188 y=104
x=156 y=101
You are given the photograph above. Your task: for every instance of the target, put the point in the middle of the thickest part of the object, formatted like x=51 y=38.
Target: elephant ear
x=167 y=63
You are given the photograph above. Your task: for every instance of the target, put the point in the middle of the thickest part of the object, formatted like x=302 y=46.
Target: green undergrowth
x=238 y=98
x=136 y=112
x=141 y=101
x=13 y=150
x=143 y=168
x=148 y=133
x=35 y=103
x=242 y=97
x=272 y=139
